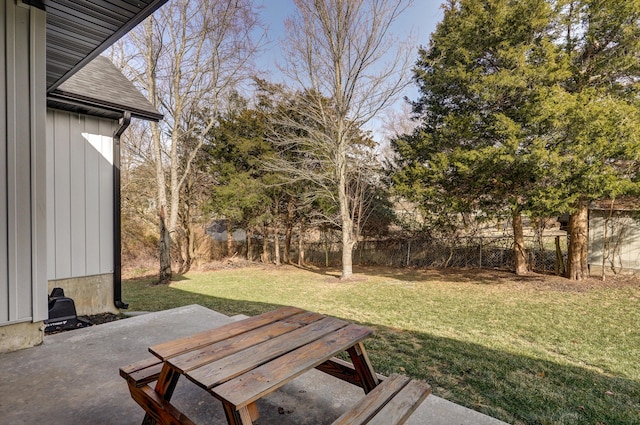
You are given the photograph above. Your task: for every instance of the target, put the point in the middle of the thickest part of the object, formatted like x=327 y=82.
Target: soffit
x=79 y=30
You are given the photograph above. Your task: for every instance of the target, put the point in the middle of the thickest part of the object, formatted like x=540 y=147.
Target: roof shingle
x=101 y=89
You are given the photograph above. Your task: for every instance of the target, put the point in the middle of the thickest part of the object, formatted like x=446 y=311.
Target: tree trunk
x=560 y=270
x=301 y=246
x=191 y=247
x=186 y=239
x=288 y=230
x=347 y=252
x=276 y=243
x=164 y=251
x=265 y=257
x=164 y=248
x=520 y=255
x=345 y=215
x=578 y=242
x=276 y=231
x=229 y=238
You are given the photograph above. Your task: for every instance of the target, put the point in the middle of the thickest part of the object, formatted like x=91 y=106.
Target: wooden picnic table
x=243 y=361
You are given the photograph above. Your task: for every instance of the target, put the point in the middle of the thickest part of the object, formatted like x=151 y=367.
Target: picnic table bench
x=241 y=362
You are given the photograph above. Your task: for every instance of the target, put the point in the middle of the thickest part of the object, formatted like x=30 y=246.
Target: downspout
x=117 y=225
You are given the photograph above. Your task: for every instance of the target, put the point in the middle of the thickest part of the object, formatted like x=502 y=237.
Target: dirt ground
x=532 y=280
x=541 y=280
x=98 y=319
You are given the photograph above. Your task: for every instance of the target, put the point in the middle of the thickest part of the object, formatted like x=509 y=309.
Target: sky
x=419 y=21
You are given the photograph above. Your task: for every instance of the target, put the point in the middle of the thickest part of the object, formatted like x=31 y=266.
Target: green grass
x=539 y=350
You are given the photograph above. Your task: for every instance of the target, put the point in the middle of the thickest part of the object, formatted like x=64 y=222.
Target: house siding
x=79 y=195
x=23 y=284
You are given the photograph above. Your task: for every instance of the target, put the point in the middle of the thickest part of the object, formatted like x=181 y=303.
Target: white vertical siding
x=37 y=48
x=623 y=236
x=79 y=195
x=23 y=286
x=61 y=205
x=77 y=200
x=106 y=195
x=51 y=223
x=4 y=105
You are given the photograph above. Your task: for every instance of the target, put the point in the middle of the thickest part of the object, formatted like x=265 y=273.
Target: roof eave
x=77 y=100
x=132 y=23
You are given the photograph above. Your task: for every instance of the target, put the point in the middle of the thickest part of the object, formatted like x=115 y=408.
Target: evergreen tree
x=479 y=143
x=594 y=114
x=527 y=106
x=235 y=150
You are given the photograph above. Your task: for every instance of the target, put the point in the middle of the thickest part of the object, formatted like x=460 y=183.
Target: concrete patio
x=73 y=379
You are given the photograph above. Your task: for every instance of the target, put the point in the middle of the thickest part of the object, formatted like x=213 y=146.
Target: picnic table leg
x=243 y=416
x=148 y=420
x=363 y=367
x=164 y=387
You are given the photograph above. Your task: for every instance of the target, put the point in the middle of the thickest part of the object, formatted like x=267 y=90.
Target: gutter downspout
x=117 y=225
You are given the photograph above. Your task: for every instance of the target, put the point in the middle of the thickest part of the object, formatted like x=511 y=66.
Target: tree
x=236 y=149
x=335 y=50
x=188 y=56
x=480 y=141
x=529 y=106
x=595 y=116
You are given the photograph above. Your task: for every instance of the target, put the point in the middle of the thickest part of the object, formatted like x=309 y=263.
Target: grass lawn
x=534 y=350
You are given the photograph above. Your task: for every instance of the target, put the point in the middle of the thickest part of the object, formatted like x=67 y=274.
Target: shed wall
x=79 y=195
x=622 y=241
x=23 y=283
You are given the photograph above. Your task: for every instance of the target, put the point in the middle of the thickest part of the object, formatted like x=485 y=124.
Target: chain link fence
x=481 y=252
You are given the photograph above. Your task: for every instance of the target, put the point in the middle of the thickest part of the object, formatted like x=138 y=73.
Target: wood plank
x=237 y=417
x=202 y=356
x=304 y=318
x=344 y=370
x=161 y=410
x=363 y=367
x=143 y=372
x=371 y=404
x=146 y=376
x=176 y=347
x=229 y=367
x=400 y=408
x=142 y=364
x=167 y=382
x=253 y=385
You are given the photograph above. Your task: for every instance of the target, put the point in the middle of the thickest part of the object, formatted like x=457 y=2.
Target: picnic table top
x=243 y=361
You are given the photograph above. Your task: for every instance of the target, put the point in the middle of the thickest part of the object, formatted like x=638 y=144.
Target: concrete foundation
x=91 y=294
x=20 y=335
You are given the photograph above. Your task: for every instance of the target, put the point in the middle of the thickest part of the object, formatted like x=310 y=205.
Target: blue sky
x=420 y=20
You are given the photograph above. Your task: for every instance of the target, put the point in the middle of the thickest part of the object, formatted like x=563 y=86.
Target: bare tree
x=396 y=122
x=188 y=57
x=342 y=57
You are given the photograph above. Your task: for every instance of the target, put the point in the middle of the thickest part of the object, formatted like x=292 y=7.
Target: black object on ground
x=62 y=313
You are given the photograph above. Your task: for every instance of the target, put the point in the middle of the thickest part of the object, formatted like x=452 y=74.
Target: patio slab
x=73 y=379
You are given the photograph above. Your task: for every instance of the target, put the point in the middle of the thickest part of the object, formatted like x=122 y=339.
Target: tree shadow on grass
x=452 y=275
x=514 y=388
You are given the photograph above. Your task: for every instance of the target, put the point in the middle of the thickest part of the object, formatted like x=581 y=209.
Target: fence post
x=480 y=259
x=408 y=252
